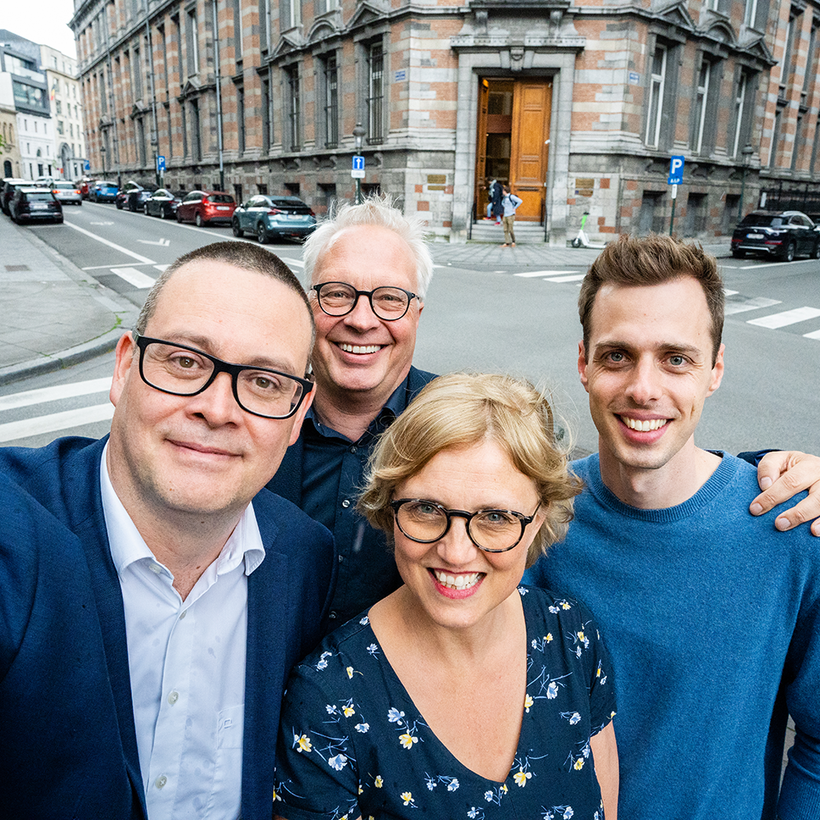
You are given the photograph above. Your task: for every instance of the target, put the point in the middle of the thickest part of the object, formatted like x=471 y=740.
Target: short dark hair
x=239 y=254
x=653 y=260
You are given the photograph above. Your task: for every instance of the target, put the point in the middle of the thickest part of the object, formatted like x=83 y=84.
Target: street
x=487 y=309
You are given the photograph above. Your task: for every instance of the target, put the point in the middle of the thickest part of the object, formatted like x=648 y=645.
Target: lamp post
x=745 y=157
x=102 y=155
x=358 y=137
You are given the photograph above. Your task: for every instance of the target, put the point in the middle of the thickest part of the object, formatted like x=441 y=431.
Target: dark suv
x=133 y=196
x=10 y=185
x=35 y=205
x=784 y=234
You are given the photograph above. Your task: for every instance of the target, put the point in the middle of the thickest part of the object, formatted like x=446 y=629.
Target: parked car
x=44 y=182
x=32 y=204
x=103 y=190
x=67 y=192
x=784 y=234
x=10 y=184
x=84 y=185
x=163 y=203
x=204 y=207
x=268 y=217
x=132 y=195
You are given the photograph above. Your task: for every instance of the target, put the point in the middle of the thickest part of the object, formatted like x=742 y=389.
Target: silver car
x=67 y=192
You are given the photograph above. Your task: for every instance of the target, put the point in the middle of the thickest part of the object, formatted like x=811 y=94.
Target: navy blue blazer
x=67 y=739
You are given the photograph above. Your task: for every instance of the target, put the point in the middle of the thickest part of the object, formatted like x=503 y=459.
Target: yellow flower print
x=580 y=636
x=528 y=701
x=378 y=782
x=548 y=637
x=407 y=797
x=579 y=764
x=303 y=743
x=407 y=740
x=565 y=605
x=521 y=777
x=349 y=671
x=348 y=711
x=504 y=789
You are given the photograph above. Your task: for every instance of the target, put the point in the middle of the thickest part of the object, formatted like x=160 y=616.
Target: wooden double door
x=513 y=141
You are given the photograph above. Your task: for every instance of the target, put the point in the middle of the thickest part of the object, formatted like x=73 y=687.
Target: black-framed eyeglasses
x=387 y=302
x=426 y=521
x=185 y=371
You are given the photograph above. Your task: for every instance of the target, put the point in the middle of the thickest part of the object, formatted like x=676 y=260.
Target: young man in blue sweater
x=712 y=617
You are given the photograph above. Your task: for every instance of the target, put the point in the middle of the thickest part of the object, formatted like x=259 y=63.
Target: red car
x=204 y=207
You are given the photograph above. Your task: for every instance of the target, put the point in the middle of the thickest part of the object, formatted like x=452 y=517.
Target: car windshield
x=762 y=221
x=40 y=197
x=64 y=186
x=225 y=199
x=106 y=184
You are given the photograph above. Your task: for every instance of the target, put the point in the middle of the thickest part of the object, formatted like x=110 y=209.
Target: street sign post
x=675 y=179
x=161 y=167
x=357 y=172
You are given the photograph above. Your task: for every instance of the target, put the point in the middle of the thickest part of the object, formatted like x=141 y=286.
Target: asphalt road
x=480 y=315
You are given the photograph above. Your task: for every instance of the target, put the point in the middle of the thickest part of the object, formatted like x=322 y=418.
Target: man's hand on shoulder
x=783 y=474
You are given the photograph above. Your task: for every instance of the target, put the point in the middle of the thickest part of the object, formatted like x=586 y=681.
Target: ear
x=122 y=366
x=582 y=365
x=300 y=416
x=717 y=371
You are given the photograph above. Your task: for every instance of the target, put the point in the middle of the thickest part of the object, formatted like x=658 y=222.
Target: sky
x=43 y=21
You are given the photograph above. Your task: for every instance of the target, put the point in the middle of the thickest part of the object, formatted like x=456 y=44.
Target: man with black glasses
x=153 y=595
x=368 y=269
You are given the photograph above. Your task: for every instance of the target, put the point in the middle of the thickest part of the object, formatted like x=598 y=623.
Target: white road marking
x=753 y=303
x=772 y=264
x=143 y=259
x=56 y=421
x=788 y=317
x=163 y=243
x=121 y=265
x=161 y=268
x=815 y=334
x=55 y=393
x=134 y=277
x=533 y=273
x=574 y=277
x=729 y=292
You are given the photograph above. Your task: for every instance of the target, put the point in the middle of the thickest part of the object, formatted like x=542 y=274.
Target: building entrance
x=513 y=141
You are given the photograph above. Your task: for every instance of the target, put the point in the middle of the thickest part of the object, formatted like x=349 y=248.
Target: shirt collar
x=393 y=407
x=129 y=547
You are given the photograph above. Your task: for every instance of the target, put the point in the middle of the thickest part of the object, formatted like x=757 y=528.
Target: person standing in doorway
x=509 y=203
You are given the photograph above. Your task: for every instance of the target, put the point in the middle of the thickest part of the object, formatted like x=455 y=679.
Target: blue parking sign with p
x=675 y=171
x=160 y=164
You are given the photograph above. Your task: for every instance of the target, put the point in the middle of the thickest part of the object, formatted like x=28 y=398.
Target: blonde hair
x=462 y=409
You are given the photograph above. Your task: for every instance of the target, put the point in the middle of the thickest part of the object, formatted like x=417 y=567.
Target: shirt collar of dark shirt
x=395 y=405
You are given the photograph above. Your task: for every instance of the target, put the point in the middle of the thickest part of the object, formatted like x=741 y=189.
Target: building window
x=137 y=74
x=192 y=43
x=740 y=109
x=293 y=13
x=267 y=135
x=331 y=73
x=237 y=29
x=141 y=141
x=293 y=106
x=695 y=215
x=750 y=14
x=267 y=24
x=196 y=142
x=657 y=88
x=60 y=127
x=375 y=93
x=775 y=137
x=790 y=56
x=701 y=99
x=651 y=219
x=177 y=34
x=798 y=140
x=240 y=116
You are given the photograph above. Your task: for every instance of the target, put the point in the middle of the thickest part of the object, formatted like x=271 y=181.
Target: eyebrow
x=665 y=346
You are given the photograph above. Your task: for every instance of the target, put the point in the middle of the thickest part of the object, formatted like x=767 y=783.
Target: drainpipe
x=218 y=102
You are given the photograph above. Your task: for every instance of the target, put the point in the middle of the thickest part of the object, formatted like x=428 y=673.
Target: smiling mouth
x=460 y=582
x=644 y=426
x=347 y=348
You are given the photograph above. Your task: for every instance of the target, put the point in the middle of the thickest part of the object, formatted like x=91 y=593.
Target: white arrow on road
x=163 y=243
x=101 y=223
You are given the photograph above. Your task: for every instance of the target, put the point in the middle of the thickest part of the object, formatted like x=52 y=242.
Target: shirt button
x=173 y=697
x=346 y=503
x=156 y=568
x=160 y=781
x=183 y=614
x=341 y=558
x=354 y=449
x=333 y=615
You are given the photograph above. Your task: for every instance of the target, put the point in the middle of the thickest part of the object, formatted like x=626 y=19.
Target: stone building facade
x=579 y=107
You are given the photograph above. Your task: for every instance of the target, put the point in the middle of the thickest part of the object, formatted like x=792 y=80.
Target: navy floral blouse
x=352 y=743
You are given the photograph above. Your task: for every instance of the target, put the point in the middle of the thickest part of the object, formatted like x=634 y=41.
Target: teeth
x=457 y=581
x=643 y=426
x=359 y=348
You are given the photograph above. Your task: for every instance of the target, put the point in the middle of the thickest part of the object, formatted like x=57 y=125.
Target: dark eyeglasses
x=185 y=371
x=387 y=302
x=490 y=530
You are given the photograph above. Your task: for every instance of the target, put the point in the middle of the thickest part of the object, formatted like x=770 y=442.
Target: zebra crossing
x=787 y=318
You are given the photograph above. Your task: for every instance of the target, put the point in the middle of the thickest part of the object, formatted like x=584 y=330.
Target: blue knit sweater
x=704 y=610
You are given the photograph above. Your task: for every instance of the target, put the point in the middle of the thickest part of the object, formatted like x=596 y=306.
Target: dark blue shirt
x=333 y=469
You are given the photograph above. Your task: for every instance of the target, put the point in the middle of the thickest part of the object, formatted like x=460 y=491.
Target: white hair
x=379 y=211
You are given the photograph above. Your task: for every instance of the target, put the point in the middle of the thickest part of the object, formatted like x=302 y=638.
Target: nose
x=362 y=317
x=456 y=548
x=216 y=405
x=644 y=385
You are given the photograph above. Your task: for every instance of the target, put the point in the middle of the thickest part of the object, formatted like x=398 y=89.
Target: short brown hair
x=462 y=409
x=239 y=254
x=653 y=260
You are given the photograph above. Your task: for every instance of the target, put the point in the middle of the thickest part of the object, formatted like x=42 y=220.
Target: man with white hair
x=367 y=271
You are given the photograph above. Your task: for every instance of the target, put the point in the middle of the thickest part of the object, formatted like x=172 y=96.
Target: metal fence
x=791 y=197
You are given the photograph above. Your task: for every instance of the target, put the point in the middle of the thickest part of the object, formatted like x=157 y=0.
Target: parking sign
x=675 y=171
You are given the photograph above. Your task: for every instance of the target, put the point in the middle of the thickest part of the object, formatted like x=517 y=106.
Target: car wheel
x=162 y=213
x=119 y=205
x=816 y=252
x=261 y=234
x=738 y=254
x=179 y=217
x=237 y=231
x=200 y=222
x=145 y=209
x=788 y=256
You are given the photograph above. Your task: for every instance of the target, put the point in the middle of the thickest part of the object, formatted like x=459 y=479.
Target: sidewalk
x=54 y=315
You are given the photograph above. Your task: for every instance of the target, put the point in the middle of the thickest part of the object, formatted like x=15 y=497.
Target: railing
x=806 y=200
